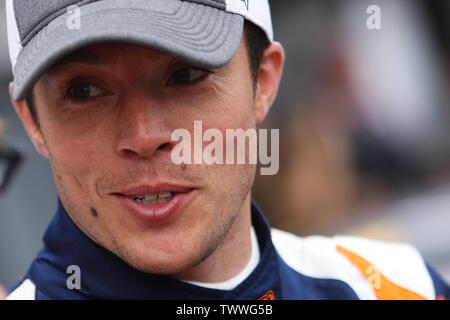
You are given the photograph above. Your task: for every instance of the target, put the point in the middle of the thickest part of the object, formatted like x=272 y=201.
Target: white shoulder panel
x=26 y=291
x=317 y=257
x=400 y=263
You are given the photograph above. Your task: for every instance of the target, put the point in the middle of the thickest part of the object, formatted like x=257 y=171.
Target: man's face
x=106 y=115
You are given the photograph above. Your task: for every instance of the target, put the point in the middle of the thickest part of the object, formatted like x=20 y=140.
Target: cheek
x=72 y=154
x=233 y=109
x=228 y=111
x=226 y=103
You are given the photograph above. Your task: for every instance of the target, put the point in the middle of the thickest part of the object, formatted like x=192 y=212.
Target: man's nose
x=143 y=129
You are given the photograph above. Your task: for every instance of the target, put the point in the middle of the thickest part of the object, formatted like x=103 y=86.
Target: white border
x=14 y=43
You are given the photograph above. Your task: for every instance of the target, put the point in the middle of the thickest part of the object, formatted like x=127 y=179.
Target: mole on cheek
x=94 y=213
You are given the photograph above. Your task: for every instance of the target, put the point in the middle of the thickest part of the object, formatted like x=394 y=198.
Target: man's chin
x=166 y=266
x=157 y=255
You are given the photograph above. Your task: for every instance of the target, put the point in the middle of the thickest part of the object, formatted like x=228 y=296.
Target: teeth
x=155 y=198
x=164 y=195
x=148 y=197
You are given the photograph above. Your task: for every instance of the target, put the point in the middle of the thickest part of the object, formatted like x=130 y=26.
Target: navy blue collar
x=105 y=276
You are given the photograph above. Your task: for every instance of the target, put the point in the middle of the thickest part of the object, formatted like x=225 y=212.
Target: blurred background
x=364 y=126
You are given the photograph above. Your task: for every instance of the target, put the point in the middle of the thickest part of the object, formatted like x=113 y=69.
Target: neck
x=231 y=257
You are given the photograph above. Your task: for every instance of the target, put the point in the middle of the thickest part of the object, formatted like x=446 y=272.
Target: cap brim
x=199 y=34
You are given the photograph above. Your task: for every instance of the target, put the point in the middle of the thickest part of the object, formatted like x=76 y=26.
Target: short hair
x=29 y=99
x=256 y=42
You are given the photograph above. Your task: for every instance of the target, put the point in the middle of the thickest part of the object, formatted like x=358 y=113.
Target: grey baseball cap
x=205 y=33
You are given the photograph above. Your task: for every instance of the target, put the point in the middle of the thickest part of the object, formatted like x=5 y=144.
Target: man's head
x=106 y=112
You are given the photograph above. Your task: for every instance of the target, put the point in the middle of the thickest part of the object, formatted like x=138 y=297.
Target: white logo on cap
x=245 y=3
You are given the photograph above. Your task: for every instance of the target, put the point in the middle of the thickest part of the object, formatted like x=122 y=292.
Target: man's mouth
x=155 y=204
x=154 y=198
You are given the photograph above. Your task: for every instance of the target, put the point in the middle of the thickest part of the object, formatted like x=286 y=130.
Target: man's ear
x=269 y=79
x=30 y=125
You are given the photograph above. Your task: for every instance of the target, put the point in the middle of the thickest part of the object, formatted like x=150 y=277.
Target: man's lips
x=153 y=189
x=154 y=204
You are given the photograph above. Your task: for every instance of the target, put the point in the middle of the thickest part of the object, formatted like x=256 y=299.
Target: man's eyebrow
x=81 y=58
x=91 y=58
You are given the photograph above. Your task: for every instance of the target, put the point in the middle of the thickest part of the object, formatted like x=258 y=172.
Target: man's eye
x=83 y=92
x=187 y=76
